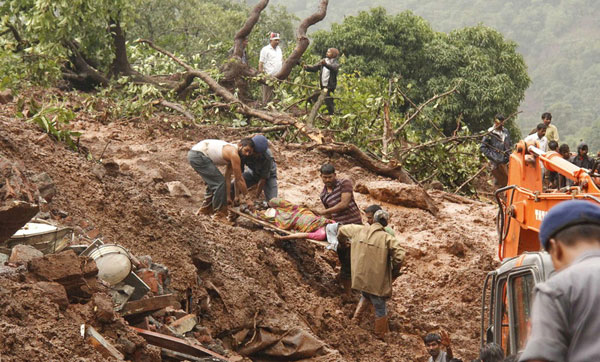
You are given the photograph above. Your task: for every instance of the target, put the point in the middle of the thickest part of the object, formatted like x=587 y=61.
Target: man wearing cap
x=565 y=324
x=374 y=254
x=261 y=169
x=270 y=62
x=496 y=146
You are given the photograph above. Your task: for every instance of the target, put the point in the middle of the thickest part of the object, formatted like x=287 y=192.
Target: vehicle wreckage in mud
x=508 y=291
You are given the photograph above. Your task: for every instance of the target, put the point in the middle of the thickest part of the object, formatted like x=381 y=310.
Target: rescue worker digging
x=376 y=257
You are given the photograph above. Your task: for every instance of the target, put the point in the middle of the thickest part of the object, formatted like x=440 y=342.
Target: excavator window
x=503 y=317
x=521 y=298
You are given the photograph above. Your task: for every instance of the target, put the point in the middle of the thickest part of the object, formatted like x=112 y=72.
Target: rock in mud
x=55 y=292
x=400 y=194
x=21 y=254
x=18 y=197
x=178 y=189
x=45 y=185
x=6 y=96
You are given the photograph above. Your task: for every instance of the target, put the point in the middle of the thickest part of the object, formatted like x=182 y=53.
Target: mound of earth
x=239 y=279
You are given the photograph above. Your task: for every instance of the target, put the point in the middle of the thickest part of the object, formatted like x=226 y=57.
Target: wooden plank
x=271 y=226
x=176 y=344
x=102 y=345
x=149 y=304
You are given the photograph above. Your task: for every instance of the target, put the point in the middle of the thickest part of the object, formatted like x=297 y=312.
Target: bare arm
x=342 y=205
x=260 y=67
x=292 y=236
x=228 y=183
x=230 y=154
x=260 y=187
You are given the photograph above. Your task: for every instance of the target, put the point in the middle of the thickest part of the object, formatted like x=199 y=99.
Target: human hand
x=445 y=338
x=323 y=61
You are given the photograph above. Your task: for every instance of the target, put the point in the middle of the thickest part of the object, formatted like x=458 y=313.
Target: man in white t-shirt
x=270 y=62
x=540 y=136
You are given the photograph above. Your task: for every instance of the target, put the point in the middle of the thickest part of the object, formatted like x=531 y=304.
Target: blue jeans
x=378 y=303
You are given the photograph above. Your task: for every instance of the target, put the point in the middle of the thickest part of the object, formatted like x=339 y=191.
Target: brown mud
x=238 y=276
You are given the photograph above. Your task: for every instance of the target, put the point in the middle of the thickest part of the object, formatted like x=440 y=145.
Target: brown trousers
x=500 y=173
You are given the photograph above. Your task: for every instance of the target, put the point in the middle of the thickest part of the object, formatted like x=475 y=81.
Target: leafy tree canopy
x=490 y=74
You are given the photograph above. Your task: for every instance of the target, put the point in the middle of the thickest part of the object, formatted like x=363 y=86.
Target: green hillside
x=559 y=39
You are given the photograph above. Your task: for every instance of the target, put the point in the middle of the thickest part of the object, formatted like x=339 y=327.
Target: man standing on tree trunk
x=339 y=205
x=496 y=146
x=270 y=62
x=328 y=69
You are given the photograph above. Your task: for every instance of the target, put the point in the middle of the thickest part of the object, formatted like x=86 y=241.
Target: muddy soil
x=238 y=275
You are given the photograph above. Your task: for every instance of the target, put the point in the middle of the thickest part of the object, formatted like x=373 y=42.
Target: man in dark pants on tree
x=338 y=201
x=496 y=146
x=328 y=71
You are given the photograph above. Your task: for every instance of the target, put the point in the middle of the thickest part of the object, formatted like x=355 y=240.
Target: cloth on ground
x=288 y=216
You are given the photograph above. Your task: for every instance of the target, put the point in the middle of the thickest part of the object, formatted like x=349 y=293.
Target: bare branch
x=470 y=178
x=246 y=29
x=420 y=108
x=177 y=107
x=315 y=109
x=391 y=169
x=302 y=40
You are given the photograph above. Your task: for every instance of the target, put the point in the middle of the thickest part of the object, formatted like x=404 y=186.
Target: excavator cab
x=507 y=298
x=522 y=205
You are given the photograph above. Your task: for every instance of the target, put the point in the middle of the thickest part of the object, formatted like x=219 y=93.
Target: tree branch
x=177 y=107
x=246 y=29
x=470 y=178
x=302 y=40
x=420 y=108
x=315 y=109
x=391 y=169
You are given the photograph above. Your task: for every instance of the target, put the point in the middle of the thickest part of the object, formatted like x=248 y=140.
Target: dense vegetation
x=559 y=40
x=388 y=98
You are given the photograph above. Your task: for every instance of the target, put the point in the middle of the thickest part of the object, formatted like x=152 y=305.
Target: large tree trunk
x=246 y=29
x=303 y=41
x=120 y=64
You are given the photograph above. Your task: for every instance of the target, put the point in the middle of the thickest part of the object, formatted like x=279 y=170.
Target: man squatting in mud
x=205 y=156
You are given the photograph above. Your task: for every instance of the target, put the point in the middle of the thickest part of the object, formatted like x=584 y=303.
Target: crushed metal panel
x=101 y=344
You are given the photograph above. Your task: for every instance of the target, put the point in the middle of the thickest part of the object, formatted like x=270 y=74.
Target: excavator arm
x=523 y=203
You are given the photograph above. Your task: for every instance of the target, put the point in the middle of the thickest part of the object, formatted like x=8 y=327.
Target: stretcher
x=268 y=225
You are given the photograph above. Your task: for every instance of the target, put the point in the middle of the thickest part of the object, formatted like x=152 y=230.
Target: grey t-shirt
x=565 y=323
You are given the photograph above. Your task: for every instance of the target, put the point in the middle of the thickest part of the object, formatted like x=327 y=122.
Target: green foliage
x=559 y=40
x=490 y=74
x=206 y=29
x=53 y=120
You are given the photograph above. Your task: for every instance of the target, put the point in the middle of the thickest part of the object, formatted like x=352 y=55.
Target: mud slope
x=249 y=278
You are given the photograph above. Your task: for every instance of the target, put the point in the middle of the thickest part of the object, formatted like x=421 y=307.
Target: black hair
x=547 y=115
x=499 y=117
x=564 y=148
x=383 y=222
x=553 y=145
x=491 y=352
x=575 y=233
x=432 y=337
x=247 y=142
x=541 y=126
x=372 y=209
x=327 y=169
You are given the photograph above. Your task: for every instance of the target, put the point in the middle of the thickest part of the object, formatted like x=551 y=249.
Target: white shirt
x=272 y=59
x=213 y=149
x=325 y=73
x=534 y=137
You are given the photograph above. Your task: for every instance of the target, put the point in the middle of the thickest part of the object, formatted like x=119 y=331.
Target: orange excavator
x=507 y=291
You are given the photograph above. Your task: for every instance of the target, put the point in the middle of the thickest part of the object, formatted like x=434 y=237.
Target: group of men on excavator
x=563 y=325
x=496 y=145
